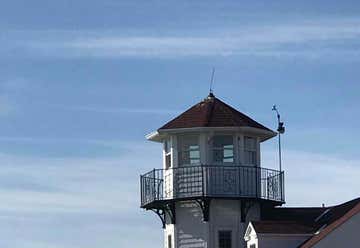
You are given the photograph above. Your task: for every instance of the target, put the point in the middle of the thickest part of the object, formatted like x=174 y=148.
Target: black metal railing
x=212 y=181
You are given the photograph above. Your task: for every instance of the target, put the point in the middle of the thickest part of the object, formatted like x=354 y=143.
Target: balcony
x=161 y=186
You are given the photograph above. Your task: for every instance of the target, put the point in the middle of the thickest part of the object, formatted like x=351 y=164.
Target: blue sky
x=82 y=82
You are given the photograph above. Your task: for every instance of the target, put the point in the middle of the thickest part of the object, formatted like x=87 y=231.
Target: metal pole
x=281 y=129
x=279 y=151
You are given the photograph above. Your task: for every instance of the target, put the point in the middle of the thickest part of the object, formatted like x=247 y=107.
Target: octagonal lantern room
x=211 y=151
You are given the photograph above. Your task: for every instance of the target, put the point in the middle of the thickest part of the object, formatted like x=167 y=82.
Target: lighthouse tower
x=211 y=183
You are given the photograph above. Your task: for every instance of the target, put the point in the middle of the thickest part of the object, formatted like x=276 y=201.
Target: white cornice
x=157 y=136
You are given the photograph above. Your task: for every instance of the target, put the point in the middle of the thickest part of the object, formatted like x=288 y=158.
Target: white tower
x=211 y=183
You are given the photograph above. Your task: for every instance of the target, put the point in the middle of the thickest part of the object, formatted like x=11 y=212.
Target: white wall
x=205 y=147
x=346 y=235
x=225 y=215
x=190 y=230
x=273 y=240
x=169 y=230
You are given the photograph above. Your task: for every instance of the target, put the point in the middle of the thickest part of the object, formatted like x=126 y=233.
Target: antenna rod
x=212 y=79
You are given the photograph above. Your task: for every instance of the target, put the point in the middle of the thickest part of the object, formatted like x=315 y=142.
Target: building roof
x=281 y=227
x=212 y=112
x=317 y=221
x=302 y=214
x=332 y=219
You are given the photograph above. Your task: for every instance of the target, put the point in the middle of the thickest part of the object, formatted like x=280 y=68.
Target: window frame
x=183 y=139
x=167 y=153
x=228 y=231
x=169 y=241
x=250 y=150
x=213 y=148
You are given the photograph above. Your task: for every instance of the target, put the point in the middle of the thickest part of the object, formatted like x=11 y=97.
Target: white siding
x=192 y=232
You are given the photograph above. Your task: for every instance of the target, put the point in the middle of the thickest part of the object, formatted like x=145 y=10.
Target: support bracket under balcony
x=245 y=207
x=171 y=212
x=161 y=214
x=167 y=210
x=204 y=204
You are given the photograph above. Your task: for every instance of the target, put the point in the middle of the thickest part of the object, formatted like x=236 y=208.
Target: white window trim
x=212 y=148
x=168 y=153
x=245 y=149
x=181 y=138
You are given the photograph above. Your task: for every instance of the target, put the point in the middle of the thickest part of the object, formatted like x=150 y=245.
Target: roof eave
x=154 y=136
x=263 y=134
x=285 y=234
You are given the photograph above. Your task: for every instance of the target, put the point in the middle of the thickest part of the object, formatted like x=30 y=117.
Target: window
x=189 y=150
x=253 y=246
x=225 y=239
x=223 y=149
x=169 y=243
x=250 y=155
x=167 y=149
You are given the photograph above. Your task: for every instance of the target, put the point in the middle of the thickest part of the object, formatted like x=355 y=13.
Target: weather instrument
x=281 y=130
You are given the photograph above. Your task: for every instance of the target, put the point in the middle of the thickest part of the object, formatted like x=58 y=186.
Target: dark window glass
x=169 y=241
x=189 y=150
x=223 y=149
x=167 y=148
x=225 y=239
x=253 y=246
x=250 y=151
x=167 y=161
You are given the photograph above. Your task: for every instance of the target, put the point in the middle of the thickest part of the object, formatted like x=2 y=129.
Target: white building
x=212 y=185
x=330 y=227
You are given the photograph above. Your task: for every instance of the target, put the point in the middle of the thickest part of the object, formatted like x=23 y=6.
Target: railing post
x=202 y=181
x=141 y=191
x=184 y=183
x=256 y=181
x=282 y=186
x=154 y=186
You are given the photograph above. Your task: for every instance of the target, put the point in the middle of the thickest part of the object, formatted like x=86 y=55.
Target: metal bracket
x=168 y=209
x=161 y=214
x=204 y=204
x=245 y=207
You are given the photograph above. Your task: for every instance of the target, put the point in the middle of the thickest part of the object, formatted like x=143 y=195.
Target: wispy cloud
x=313 y=179
x=120 y=110
x=91 y=196
x=311 y=38
x=102 y=195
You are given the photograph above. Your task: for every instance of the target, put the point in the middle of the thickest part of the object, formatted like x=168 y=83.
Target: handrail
x=212 y=165
x=211 y=181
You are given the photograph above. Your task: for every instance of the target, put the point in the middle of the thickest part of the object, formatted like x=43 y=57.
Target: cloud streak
x=82 y=196
x=152 y=111
x=313 y=179
x=310 y=39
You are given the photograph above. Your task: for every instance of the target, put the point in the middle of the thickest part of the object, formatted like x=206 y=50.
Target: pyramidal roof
x=212 y=112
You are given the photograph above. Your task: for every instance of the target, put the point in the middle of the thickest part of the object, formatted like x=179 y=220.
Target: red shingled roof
x=212 y=112
x=284 y=220
x=282 y=227
x=332 y=219
x=305 y=215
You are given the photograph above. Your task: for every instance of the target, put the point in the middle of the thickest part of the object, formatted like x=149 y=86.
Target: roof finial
x=211 y=83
